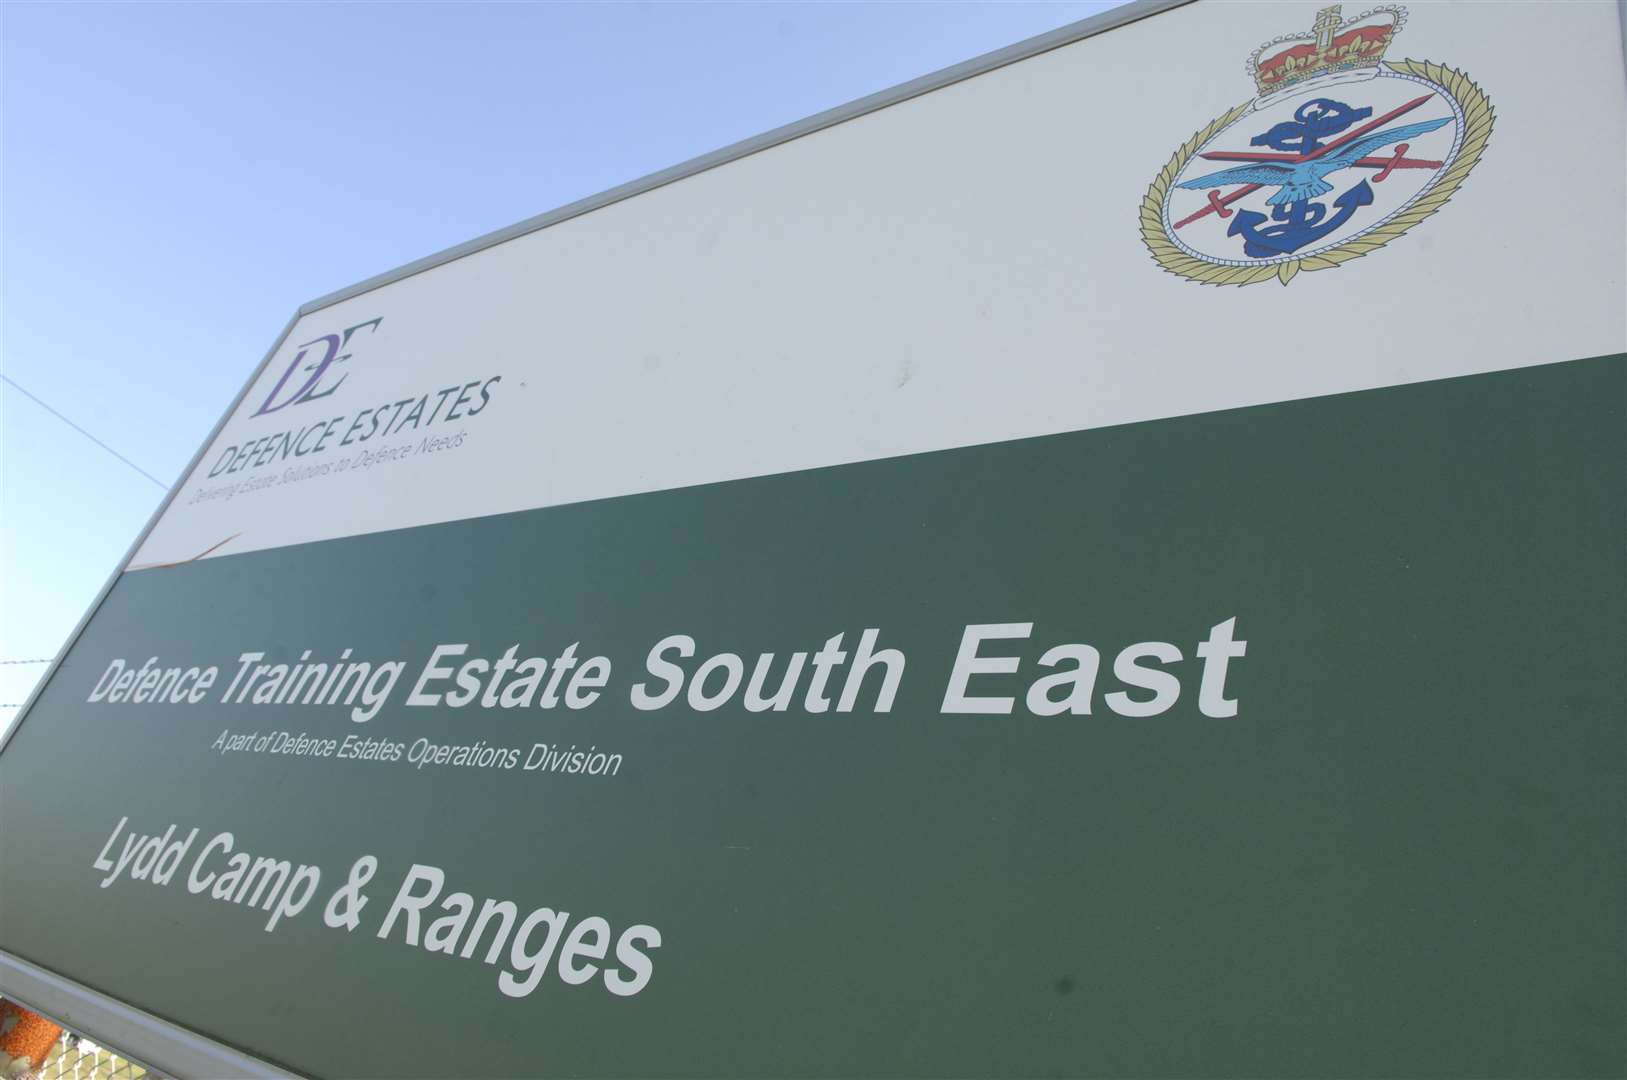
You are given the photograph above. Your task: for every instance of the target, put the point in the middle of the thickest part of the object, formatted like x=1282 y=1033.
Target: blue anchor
x=1299 y=223
x=1301 y=178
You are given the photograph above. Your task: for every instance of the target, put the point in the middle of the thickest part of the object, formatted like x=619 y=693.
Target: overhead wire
x=9 y=381
x=23 y=391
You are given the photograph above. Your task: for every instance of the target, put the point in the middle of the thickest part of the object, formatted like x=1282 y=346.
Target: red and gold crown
x=1331 y=51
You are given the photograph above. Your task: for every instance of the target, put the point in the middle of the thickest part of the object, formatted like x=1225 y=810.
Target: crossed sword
x=1385 y=165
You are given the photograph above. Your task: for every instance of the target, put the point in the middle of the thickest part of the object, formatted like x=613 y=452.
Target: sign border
x=176 y=1050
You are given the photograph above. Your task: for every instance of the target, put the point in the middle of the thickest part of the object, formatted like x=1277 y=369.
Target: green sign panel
x=1277 y=741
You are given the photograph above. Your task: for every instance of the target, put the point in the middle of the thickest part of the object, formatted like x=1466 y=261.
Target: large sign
x=849 y=611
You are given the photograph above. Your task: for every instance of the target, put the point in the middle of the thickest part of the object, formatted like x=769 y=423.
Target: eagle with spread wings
x=1298 y=181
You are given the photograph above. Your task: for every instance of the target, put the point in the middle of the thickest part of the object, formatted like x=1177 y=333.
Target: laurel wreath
x=1478 y=116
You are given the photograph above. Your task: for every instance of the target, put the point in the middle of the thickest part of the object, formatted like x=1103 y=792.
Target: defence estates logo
x=1340 y=153
x=312 y=444
x=315 y=370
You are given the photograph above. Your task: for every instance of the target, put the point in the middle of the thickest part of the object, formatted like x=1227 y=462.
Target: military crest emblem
x=1339 y=153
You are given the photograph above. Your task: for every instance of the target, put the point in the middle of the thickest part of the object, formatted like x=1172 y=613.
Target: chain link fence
x=75 y=1057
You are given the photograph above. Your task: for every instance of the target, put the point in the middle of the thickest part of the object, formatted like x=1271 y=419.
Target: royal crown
x=1333 y=51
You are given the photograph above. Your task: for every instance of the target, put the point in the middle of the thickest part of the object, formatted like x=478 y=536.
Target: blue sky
x=176 y=178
